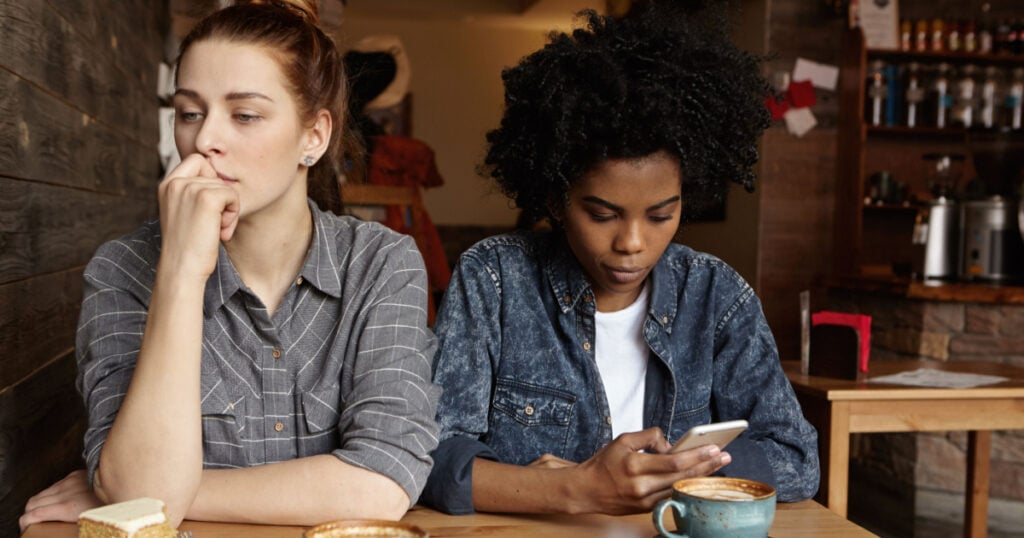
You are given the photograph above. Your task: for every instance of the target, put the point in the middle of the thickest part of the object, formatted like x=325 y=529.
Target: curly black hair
x=664 y=77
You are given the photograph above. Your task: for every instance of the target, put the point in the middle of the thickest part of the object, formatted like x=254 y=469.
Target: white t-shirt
x=622 y=361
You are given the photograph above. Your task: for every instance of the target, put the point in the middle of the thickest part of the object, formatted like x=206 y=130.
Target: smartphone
x=718 y=434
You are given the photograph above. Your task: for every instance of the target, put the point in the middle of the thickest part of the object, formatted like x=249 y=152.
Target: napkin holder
x=840 y=345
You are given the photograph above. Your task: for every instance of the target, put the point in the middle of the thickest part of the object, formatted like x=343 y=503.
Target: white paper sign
x=799 y=121
x=821 y=75
x=879 y=20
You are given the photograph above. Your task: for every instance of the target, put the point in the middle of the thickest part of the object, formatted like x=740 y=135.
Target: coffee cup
x=717 y=507
x=365 y=528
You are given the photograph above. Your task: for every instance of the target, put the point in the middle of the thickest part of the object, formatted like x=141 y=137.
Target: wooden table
x=806 y=519
x=838 y=408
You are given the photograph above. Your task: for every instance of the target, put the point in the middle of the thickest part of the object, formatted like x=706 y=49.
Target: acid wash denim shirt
x=516 y=362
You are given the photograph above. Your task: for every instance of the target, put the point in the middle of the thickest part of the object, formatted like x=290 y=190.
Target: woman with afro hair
x=572 y=360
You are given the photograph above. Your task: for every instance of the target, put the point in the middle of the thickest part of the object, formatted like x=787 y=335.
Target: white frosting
x=129 y=516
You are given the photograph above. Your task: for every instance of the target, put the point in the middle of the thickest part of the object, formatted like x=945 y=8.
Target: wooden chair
x=407 y=199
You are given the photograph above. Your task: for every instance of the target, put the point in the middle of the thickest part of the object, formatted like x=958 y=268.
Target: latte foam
x=721 y=494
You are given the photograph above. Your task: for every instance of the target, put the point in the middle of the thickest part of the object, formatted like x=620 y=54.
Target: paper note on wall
x=822 y=76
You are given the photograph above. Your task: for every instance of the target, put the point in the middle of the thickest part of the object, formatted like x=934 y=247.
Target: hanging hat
x=369 y=71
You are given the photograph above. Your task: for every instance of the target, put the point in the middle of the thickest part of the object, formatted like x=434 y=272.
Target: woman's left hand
x=62 y=501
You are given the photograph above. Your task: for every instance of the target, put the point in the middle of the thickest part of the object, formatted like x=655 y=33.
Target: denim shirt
x=516 y=362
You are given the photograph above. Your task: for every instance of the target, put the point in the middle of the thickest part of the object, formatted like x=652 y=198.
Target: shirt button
x=587 y=299
x=567 y=299
x=586 y=346
x=276 y=353
x=528 y=410
x=608 y=420
x=664 y=319
x=279 y=426
x=299 y=281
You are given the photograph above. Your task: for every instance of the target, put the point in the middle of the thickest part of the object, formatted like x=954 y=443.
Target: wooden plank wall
x=78 y=166
x=797 y=177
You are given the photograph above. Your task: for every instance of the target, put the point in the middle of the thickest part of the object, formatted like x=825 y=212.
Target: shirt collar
x=564 y=273
x=319 y=270
x=569 y=284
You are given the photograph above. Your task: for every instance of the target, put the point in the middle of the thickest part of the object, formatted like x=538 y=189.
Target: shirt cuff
x=450 y=485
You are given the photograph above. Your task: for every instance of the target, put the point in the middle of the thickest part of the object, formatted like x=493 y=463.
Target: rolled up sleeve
x=387 y=421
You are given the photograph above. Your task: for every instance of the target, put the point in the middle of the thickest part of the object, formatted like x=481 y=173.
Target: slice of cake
x=137 y=518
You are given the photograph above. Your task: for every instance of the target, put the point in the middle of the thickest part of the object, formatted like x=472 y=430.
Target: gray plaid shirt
x=343 y=366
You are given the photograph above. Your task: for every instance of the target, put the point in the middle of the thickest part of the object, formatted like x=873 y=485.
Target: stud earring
x=308 y=160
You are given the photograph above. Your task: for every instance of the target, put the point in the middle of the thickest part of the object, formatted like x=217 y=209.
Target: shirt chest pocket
x=224 y=425
x=320 y=408
x=529 y=420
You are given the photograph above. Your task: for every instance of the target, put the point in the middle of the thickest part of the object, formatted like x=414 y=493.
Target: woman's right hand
x=636 y=470
x=198 y=210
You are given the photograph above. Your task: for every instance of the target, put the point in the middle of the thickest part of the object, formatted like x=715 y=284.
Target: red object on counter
x=860 y=322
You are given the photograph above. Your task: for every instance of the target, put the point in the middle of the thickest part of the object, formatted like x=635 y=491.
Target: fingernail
x=712 y=451
x=726 y=458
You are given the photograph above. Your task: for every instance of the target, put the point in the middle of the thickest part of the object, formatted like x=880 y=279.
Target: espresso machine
x=993 y=248
x=992 y=234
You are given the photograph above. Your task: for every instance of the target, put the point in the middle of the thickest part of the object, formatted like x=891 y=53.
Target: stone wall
x=932 y=466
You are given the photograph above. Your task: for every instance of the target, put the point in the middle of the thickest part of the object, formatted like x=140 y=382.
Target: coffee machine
x=937 y=224
x=937 y=229
x=992 y=236
x=993 y=246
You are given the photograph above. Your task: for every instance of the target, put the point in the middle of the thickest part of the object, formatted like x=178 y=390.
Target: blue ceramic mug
x=717 y=507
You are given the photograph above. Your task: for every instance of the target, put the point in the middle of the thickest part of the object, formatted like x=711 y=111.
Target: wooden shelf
x=956 y=58
x=935 y=290
x=935 y=132
x=869 y=235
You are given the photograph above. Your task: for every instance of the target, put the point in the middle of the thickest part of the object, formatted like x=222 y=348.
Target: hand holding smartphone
x=718 y=434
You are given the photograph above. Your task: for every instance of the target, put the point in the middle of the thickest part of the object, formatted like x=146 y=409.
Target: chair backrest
x=407 y=199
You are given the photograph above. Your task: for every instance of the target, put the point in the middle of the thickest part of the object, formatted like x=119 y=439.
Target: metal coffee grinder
x=937 y=224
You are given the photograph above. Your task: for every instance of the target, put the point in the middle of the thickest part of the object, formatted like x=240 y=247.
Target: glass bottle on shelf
x=938 y=39
x=953 y=36
x=1014 y=96
x=914 y=94
x=961 y=113
x=906 y=35
x=987 y=108
x=970 y=36
x=985 y=36
x=874 y=111
x=939 y=97
x=921 y=35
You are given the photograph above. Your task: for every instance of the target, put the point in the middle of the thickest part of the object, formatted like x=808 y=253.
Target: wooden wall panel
x=46 y=229
x=45 y=49
x=38 y=330
x=796 y=227
x=45 y=139
x=42 y=423
x=78 y=166
x=797 y=176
